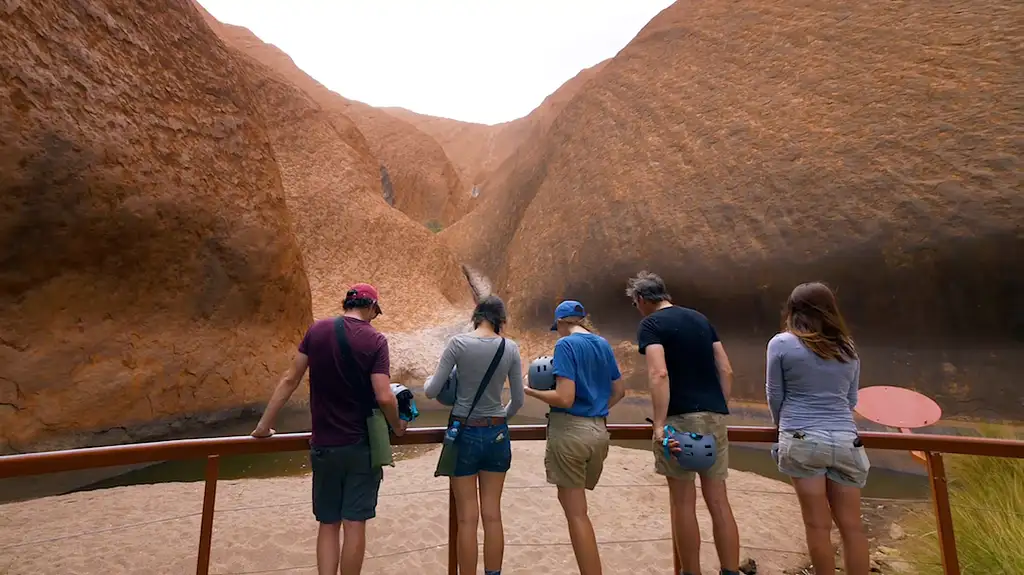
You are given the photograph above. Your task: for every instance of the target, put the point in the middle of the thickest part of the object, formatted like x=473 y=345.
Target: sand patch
x=266 y=526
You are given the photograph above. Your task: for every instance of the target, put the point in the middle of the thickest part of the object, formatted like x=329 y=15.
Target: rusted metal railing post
x=206 y=527
x=943 y=514
x=453 y=535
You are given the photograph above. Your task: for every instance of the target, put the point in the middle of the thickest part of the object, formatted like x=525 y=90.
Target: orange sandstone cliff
x=416 y=176
x=148 y=273
x=742 y=148
x=346 y=230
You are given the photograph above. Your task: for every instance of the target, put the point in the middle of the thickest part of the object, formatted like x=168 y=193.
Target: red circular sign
x=897 y=407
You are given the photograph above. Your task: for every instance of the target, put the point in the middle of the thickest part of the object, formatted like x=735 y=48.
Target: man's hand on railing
x=262 y=432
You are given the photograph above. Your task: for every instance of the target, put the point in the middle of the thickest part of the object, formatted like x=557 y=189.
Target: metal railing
x=212 y=449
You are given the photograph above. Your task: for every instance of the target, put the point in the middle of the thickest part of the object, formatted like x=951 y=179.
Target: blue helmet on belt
x=541 y=373
x=698 y=452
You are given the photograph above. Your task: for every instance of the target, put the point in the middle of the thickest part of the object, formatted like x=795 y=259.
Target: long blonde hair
x=583 y=322
x=812 y=314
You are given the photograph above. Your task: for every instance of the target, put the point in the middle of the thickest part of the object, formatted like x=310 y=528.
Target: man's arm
x=724 y=369
x=657 y=381
x=282 y=393
x=563 y=395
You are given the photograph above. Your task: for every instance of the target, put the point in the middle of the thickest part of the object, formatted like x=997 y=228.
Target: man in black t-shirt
x=690 y=378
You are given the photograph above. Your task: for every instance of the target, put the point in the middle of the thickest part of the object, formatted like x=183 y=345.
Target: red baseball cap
x=364 y=291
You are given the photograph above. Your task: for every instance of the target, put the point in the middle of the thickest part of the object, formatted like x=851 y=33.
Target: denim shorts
x=483 y=449
x=812 y=453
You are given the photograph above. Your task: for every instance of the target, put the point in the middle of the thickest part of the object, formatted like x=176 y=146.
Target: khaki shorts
x=704 y=423
x=576 y=450
x=830 y=453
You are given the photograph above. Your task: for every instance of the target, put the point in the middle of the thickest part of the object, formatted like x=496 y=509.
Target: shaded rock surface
x=148 y=271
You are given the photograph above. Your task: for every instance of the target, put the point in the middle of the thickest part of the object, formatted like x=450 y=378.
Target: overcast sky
x=485 y=61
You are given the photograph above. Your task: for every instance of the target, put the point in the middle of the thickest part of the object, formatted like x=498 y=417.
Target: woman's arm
x=618 y=386
x=515 y=385
x=435 y=384
x=564 y=367
x=851 y=395
x=774 y=388
x=563 y=395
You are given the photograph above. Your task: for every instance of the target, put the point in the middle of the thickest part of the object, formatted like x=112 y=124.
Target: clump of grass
x=987 y=501
x=434 y=226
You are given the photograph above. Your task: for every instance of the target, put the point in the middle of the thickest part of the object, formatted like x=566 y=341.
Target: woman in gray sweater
x=812 y=378
x=485 y=453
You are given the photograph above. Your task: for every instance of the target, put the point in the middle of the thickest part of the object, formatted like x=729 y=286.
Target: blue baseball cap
x=568 y=308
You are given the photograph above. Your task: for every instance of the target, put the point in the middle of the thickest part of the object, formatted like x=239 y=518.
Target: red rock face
x=426 y=186
x=739 y=149
x=332 y=183
x=148 y=272
x=478 y=149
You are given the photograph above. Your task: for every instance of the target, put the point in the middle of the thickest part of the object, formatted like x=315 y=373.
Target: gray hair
x=647 y=286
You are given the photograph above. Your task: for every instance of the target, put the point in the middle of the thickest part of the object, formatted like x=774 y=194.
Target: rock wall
x=477 y=150
x=346 y=230
x=148 y=272
x=426 y=185
x=739 y=149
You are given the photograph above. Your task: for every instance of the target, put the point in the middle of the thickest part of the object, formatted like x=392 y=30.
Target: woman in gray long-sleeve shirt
x=812 y=379
x=485 y=452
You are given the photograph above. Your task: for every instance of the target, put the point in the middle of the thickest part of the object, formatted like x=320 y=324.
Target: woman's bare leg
x=467 y=512
x=581 y=530
x=491 y=485
x=845 y=504
x=817 y=522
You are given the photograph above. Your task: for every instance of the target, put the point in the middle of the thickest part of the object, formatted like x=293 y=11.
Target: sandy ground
x=265 y=525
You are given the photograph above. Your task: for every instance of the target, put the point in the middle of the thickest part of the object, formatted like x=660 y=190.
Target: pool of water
x=882 y=483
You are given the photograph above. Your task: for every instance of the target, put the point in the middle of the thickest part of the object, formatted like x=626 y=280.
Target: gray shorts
x=811 y=453
x=345 y=485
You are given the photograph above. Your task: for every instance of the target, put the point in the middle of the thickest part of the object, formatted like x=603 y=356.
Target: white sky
x=486 y=61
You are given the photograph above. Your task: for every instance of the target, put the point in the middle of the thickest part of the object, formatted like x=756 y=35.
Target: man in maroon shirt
x=345 y=484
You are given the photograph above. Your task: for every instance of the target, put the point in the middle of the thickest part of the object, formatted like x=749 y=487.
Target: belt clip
x=669 y=433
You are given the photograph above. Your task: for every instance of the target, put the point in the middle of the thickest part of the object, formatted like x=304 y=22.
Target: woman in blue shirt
x=587 y=384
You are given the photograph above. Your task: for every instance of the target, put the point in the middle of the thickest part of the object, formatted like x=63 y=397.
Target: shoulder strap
x=487 y=376
x=348 y=360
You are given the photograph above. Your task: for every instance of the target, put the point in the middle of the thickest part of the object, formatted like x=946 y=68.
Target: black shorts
x=345 y=485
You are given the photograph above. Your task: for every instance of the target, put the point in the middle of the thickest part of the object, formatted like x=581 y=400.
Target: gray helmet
x=698 y=451
x=541 y=374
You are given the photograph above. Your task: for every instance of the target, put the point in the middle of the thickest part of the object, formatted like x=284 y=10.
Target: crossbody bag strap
x=347 y=357
x=487 y=377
